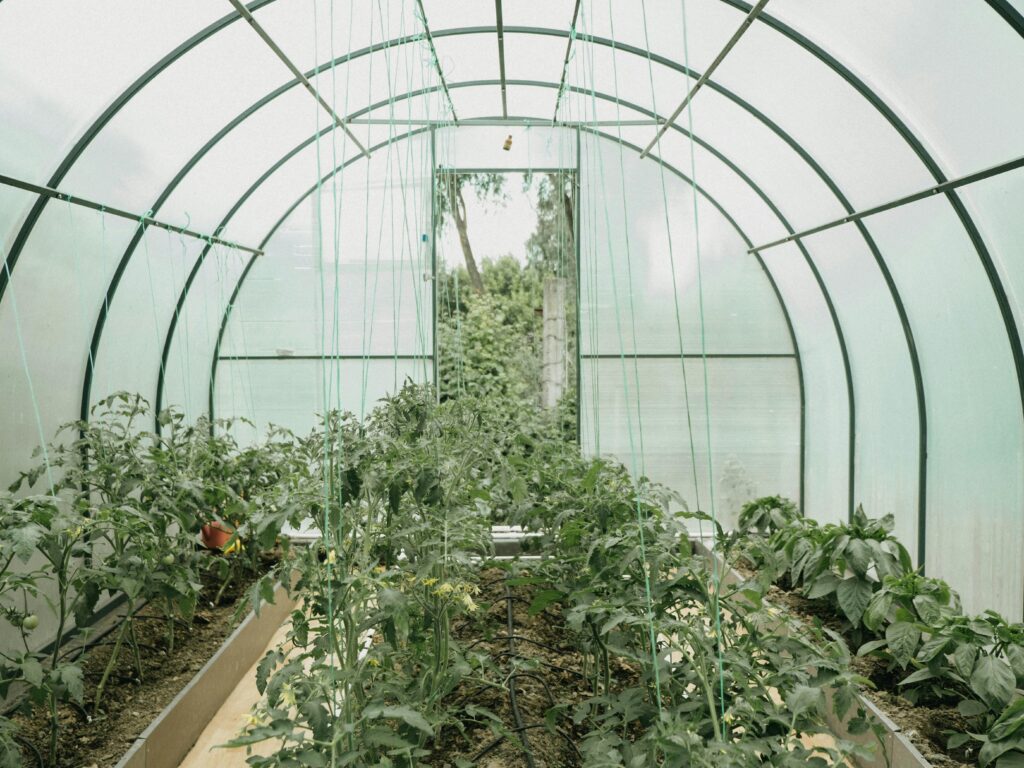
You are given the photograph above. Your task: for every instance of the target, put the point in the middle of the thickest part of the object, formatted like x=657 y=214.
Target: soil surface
x=543 y=669
x=129 y=704
x=926 y=725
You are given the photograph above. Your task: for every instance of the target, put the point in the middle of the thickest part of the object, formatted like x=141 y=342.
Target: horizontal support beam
x=751 y=17
x=146 y=221
x=243 y=358
x=265 y=36
x=519 y=169
x=525 y=122
x=694 y=356
x=945 y=186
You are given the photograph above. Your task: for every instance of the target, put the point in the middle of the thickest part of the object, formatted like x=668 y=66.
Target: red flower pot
x=215 y=535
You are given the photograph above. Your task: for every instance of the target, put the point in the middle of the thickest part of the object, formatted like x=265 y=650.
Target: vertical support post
x=579 y=331
x=433 y=257
x=554 y=367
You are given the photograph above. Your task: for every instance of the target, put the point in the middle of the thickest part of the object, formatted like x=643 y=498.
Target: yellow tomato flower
x=429 y=582
x=332 y=557
x=288 y=695
x=373 y=662
x=444 y=589
x=468 y=602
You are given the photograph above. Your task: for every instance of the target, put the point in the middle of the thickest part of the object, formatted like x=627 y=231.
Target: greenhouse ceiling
x=852 y=173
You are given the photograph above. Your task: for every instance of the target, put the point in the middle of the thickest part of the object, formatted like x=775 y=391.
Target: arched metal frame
x=1006 y=11
x=652 y=57
x=697 y=188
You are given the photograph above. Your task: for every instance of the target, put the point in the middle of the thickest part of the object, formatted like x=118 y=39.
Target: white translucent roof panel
x=640 y=247
x=160 y=129
x=828 y=117
x=445 y=14
x=887 y=429
x=468 y=57
x=53 y=84
x=826 y=472
x=950 y=69
x=534 y=57
x=311 y=34
x=49 y=310
x=554 y=13
x=268 y=202
x=975 y=531
x=995 y=204
x=128 y=358
x=14 y=204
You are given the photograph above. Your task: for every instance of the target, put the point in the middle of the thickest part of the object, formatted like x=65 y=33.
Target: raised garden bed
x=209 y=658
x=891 y=745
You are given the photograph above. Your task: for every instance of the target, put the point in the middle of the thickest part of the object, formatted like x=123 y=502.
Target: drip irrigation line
x=512 y=700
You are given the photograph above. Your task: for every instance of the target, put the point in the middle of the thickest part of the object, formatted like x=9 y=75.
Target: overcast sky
x=493 y=230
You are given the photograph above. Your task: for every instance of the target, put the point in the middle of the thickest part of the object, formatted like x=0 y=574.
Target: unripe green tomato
x=30 y=622
x=167 y=560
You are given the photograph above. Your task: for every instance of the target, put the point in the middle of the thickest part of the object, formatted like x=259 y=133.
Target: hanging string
x=640 y=517
x=715 y=575
x=672 y=266
x=28 y=380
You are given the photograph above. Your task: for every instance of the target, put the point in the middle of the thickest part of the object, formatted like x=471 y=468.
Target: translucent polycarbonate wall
x=665 y=278
x=903 y=331
x=339 y=310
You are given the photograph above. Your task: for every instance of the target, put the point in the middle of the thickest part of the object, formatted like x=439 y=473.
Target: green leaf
x=407 y=715
x=32 y=671
x=385 y=737
x=918 y=676
x=870 y=646
x=543 y=599
x=73 y=680
x=853 y=595
x=993 y=681
x=804 y=698
x=971 y=708
x=963 y=658
x=957 y=740
x=823 y=585
x=903 y=638
x=932 y=647
x=1013 y=759
x=1015 y=655
x=858 y=556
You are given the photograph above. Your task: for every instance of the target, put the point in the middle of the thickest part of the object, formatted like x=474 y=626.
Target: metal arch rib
x=562 y=33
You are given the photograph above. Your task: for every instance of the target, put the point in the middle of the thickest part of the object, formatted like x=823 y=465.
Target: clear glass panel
x=753 y=406
x=948 y=80
x=290 y=393
x=826 y=470
x=975 y=532
x=639 y=256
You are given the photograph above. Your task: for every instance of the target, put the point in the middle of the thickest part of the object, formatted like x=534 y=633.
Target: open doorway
x=507 y=271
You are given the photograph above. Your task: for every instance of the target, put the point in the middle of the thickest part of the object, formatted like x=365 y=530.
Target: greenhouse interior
x=421 y=383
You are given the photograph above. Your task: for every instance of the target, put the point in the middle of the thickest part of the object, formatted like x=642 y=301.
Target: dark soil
x=926 y=726
x=543 y=669
x=130 y=705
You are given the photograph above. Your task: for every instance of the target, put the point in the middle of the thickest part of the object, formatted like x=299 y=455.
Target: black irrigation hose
x=490 y=746
x=516 y=715
x=539 y=679
x=519 y=638
x=543 y=663
x=32 y=748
